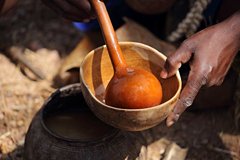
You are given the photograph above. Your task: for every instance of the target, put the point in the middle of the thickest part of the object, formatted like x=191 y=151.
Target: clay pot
x=96 y=71
x=84 y=138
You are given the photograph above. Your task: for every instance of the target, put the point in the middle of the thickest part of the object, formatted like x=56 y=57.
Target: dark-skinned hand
x=75 y=10
x=210 y=53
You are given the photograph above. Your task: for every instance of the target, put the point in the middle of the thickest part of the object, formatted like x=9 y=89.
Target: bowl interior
x=97 y=70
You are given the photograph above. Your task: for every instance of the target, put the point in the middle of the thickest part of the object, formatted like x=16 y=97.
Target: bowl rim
x=168 y=102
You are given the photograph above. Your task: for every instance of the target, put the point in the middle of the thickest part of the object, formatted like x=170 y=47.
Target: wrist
x=233 y=24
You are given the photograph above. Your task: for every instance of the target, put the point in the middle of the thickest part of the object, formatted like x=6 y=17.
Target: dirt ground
x=208 y=134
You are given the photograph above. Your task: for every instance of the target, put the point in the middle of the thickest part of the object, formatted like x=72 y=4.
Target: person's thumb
x=175 y=60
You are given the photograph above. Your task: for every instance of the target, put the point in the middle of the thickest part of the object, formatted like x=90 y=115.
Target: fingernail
x=170 y=123
x=163 y=74
x=176 y=117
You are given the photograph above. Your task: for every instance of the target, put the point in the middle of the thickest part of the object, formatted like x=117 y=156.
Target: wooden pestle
x=129 y=88
x=110 y=37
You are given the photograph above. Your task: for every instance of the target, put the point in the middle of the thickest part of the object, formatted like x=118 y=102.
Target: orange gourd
x=130 y=87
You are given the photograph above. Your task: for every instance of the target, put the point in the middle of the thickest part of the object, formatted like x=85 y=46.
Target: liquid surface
x=81 y=125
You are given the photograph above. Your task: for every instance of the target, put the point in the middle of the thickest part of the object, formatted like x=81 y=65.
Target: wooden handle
x=110 y=37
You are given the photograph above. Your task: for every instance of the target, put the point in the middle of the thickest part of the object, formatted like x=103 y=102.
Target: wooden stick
x=110 y=37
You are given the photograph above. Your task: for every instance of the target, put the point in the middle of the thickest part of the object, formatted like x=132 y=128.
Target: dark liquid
x=81 y=125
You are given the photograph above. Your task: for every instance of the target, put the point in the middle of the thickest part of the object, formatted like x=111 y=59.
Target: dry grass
x=20 y=98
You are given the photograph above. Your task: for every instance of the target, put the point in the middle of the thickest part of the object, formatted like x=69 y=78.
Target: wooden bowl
x=96 y=71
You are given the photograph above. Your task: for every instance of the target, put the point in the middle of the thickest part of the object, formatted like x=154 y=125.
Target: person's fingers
x=82 y=5
x=175 y=60
x=189 y=92
x=66 y=10
x=70 y=8
x=220 y=81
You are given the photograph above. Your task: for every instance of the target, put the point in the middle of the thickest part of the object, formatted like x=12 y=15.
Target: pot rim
x=65 y=90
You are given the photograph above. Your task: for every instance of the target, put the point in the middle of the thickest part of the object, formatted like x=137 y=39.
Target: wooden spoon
x=129 y=88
